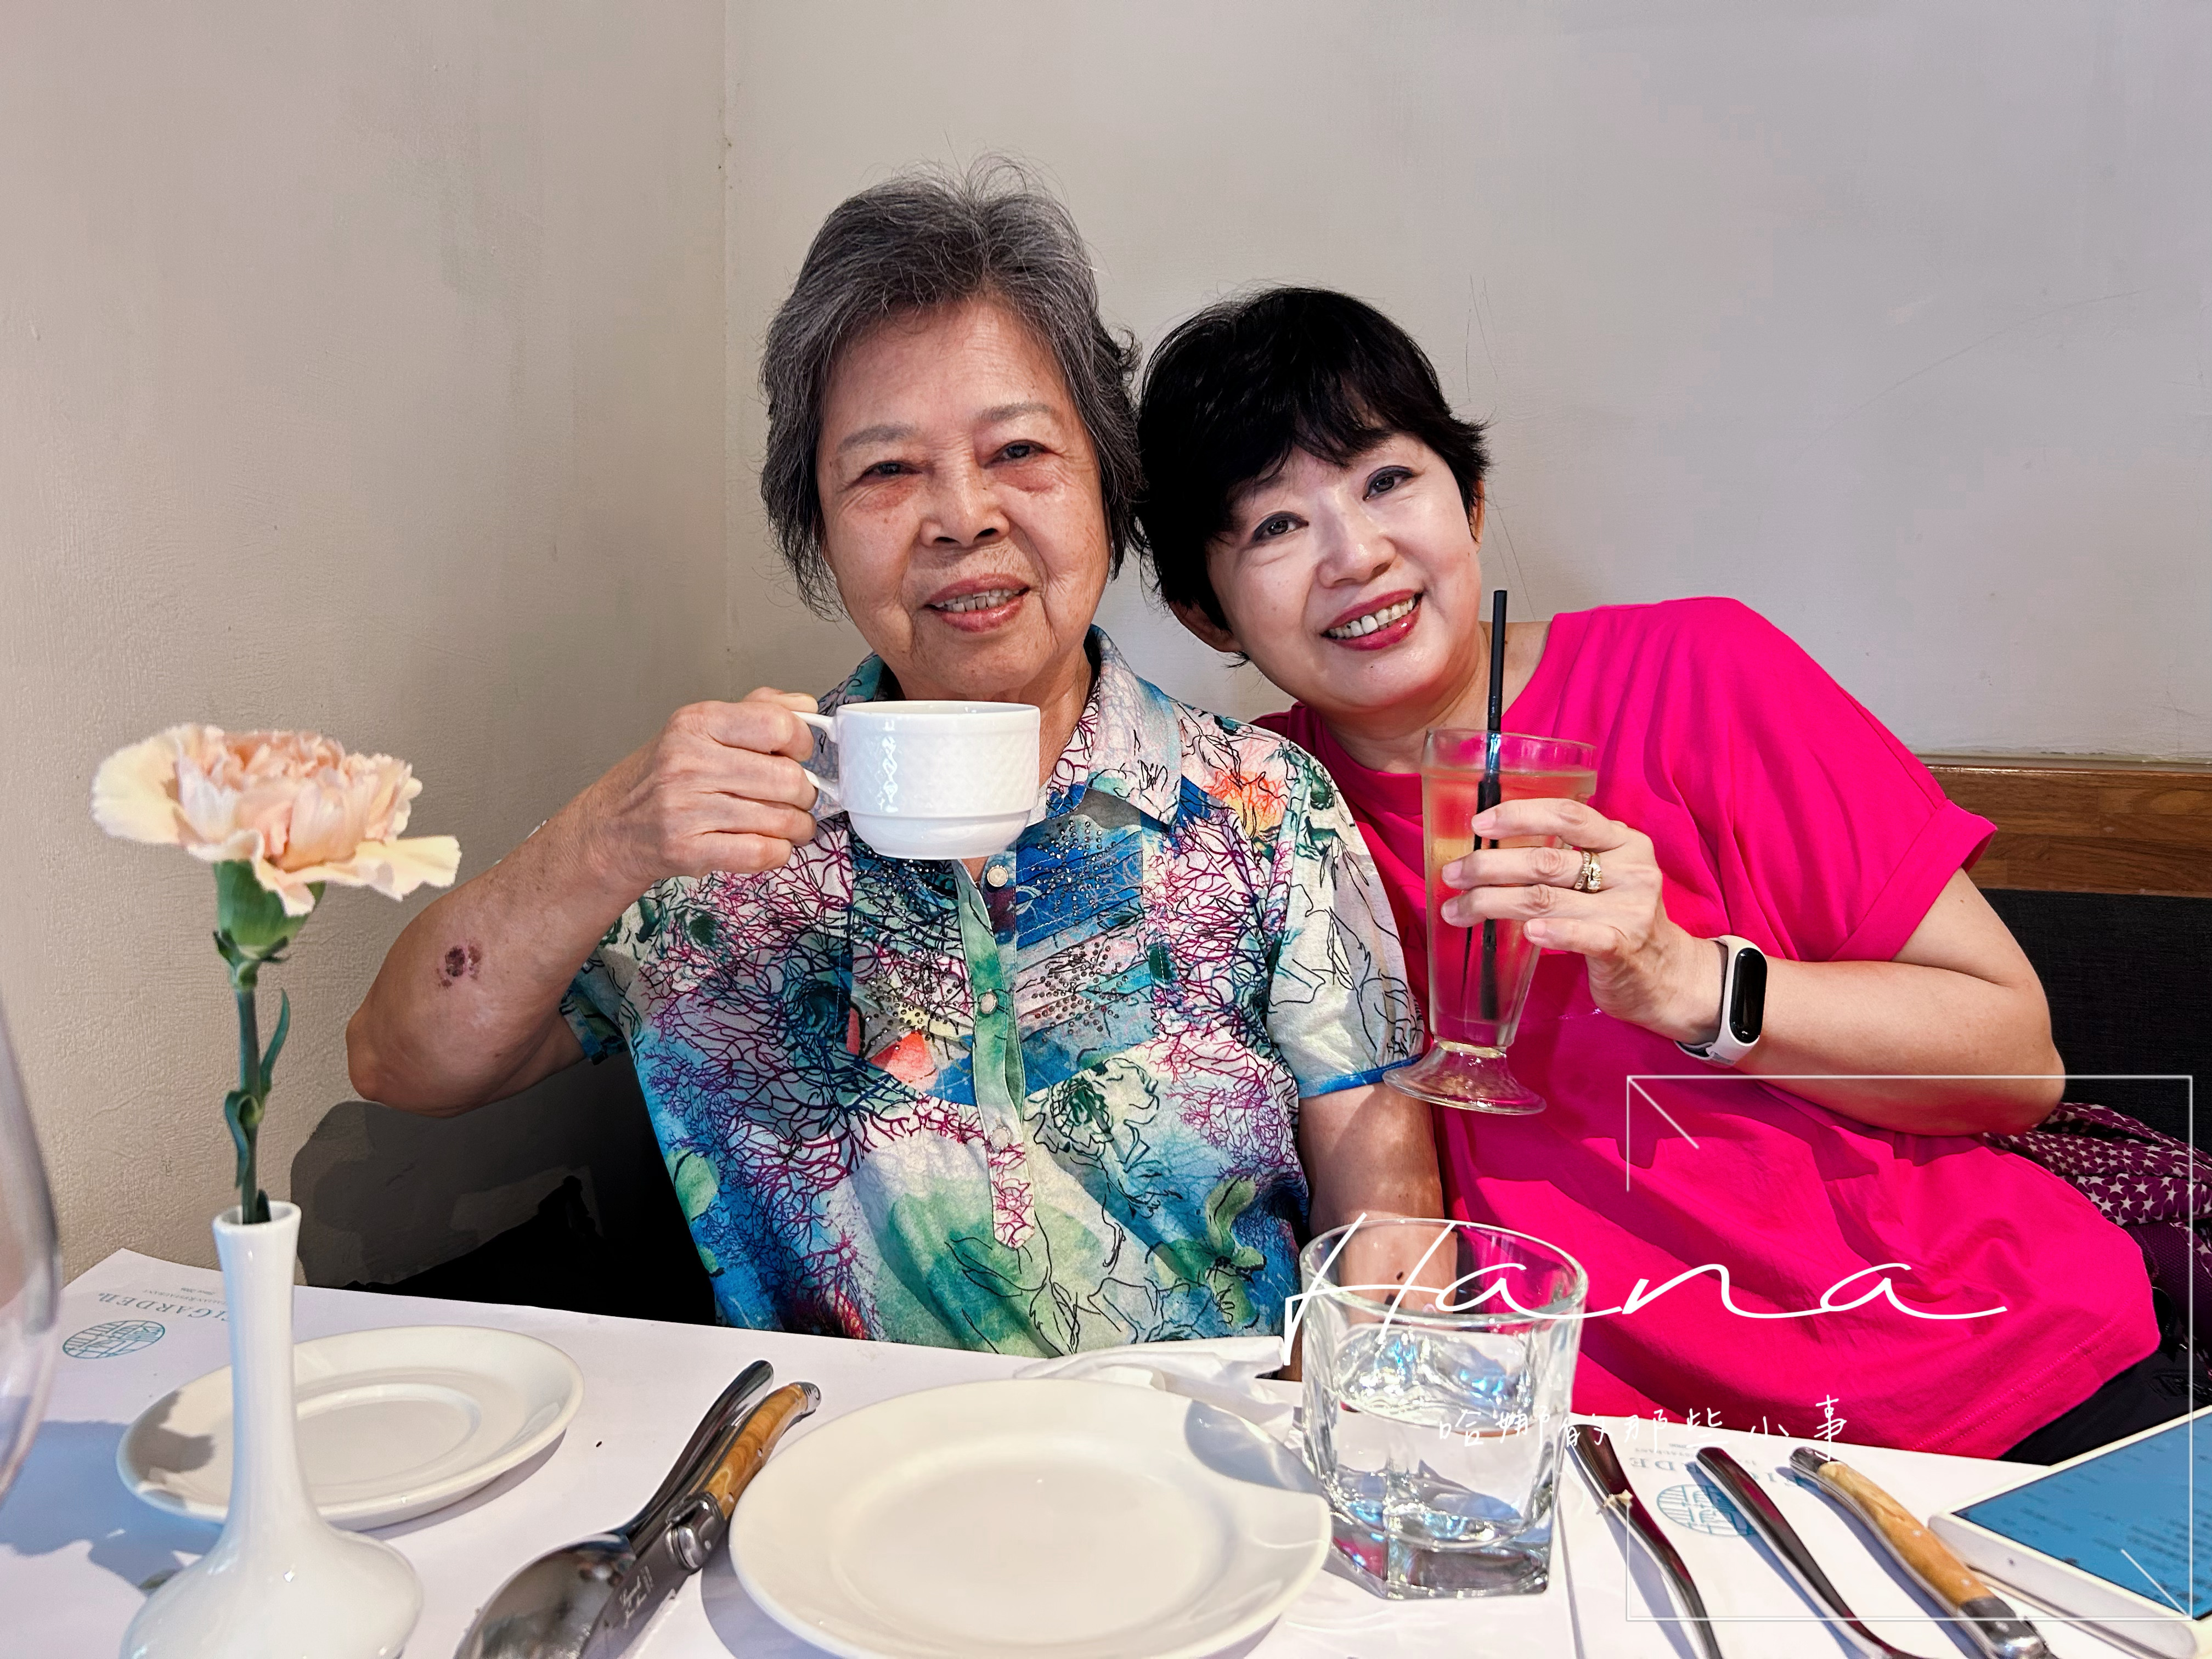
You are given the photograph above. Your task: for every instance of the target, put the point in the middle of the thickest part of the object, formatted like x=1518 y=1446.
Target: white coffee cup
x=933 y=780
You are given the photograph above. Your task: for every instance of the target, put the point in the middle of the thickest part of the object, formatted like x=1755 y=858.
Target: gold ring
x=1592 y=873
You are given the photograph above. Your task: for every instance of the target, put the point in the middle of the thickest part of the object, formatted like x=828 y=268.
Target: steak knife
x=1986 y=1617
x=1770 y=1524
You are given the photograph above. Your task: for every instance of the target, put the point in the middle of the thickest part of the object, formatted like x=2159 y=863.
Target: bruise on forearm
x=466 y=1008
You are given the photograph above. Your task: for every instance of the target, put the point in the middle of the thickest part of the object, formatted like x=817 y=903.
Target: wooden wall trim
x=2079 y=824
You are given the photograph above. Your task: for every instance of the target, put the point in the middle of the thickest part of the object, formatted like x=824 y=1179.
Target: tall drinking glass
x=1479 y=976
x=30 y=1275
x=1434 y=1414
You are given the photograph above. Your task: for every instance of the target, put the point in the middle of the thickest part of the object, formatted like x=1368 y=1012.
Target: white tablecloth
x=76 y=1547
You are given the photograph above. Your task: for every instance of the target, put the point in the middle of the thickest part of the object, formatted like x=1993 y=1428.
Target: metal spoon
x=592 y=1599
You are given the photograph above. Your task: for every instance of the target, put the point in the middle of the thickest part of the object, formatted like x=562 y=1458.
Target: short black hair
x=1230 y=392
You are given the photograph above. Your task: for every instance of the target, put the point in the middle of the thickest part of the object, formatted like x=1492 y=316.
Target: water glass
x=30 y=1275
x=1439 y=1360
x=1479 y=976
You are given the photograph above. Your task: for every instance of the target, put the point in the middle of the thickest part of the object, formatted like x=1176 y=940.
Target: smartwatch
x=1743 y=1003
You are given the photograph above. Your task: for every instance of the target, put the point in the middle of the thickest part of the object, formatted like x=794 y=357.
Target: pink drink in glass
x=1472 y=1024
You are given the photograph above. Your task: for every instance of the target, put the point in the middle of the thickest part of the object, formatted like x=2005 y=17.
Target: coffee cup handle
x=828 y=727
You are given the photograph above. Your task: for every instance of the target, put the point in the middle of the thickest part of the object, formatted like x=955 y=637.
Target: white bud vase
x=281 y=1582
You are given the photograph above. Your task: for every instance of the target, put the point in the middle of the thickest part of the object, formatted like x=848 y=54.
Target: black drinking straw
x=1486 y=798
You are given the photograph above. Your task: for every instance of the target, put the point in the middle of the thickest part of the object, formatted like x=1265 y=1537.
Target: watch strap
x=1743 y=1003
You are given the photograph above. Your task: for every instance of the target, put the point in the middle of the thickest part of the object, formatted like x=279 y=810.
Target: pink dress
x=1784 y=812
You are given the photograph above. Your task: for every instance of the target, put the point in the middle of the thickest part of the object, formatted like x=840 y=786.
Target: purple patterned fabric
x=2149 y=1183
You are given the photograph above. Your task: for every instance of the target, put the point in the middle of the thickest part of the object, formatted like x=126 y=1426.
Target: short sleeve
x=1339 y=1006
x=589 y=1007
x=1830 y=838
x=597 y=1003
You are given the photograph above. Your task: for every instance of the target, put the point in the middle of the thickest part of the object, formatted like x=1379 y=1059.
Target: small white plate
x=1029 y=1520
x=393 y=1423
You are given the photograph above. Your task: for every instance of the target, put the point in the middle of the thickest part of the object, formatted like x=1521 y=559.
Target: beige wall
x=1886 y=318
x=389 y=368
x=360 y=367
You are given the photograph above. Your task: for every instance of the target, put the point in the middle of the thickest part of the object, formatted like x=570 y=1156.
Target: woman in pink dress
x=1836 y=1251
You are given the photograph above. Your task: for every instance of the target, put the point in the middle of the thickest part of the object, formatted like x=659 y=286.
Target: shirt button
x=987 y=1003
x=996 y=876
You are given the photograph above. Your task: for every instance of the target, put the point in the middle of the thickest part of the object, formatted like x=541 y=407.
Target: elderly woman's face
x=1353 y=588
x=962 y=519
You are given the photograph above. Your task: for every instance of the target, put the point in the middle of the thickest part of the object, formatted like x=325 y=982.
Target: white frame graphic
x=2188 y=1081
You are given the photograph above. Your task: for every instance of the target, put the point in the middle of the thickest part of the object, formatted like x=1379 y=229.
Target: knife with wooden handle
x=595 y=1597
x=734 y=1473
x=695 y=1522
x=1987 y=1618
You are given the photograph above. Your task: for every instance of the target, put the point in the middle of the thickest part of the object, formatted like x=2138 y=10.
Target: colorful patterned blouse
x=1051 y=1110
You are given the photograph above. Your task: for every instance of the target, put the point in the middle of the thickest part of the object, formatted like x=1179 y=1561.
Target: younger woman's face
x=1357 y=589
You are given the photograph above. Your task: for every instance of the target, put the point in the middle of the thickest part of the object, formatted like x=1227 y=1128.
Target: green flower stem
x=250 y=1201
x=252 y=928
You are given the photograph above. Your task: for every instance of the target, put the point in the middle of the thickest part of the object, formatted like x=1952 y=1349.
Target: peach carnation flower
x=294 y=804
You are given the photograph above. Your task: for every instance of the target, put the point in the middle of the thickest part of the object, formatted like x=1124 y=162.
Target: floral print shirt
x=1050 y=1110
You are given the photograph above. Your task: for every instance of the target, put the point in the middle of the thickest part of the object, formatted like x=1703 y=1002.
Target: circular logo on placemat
x=1689 y=1506
x=114 y=1339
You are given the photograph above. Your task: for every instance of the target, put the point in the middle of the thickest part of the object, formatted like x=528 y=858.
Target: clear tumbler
x=1439 y=1362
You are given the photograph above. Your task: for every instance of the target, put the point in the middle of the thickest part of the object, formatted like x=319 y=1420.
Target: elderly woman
x=1314 y=503
x=1054 y=1099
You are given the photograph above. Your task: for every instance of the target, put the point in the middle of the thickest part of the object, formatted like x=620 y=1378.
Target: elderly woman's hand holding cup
x=719 y=787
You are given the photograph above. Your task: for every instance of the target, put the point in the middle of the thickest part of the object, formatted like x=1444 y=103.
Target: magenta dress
x=1784 y=812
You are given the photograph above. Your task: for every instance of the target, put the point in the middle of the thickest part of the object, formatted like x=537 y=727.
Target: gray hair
x=927 y=239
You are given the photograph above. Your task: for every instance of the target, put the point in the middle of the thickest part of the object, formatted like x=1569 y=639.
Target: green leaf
x=276 y=1043
x=243 y=1114
x=251 y=918
x=1222 y=1205
x=696 y=1185
x=1185 y=1261
x=1218 y=1263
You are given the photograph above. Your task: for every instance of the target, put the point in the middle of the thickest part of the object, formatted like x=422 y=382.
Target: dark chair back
x=2130 y=980
x=2102 y=868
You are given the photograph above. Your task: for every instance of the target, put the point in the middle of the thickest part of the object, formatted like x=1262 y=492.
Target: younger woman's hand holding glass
x=1643 y=967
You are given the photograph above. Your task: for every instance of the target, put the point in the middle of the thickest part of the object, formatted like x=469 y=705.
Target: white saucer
x=1029 y=1520
x=393 y=1423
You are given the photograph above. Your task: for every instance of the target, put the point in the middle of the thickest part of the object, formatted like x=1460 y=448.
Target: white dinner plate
x=393 y=1423
x=993 y=1520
